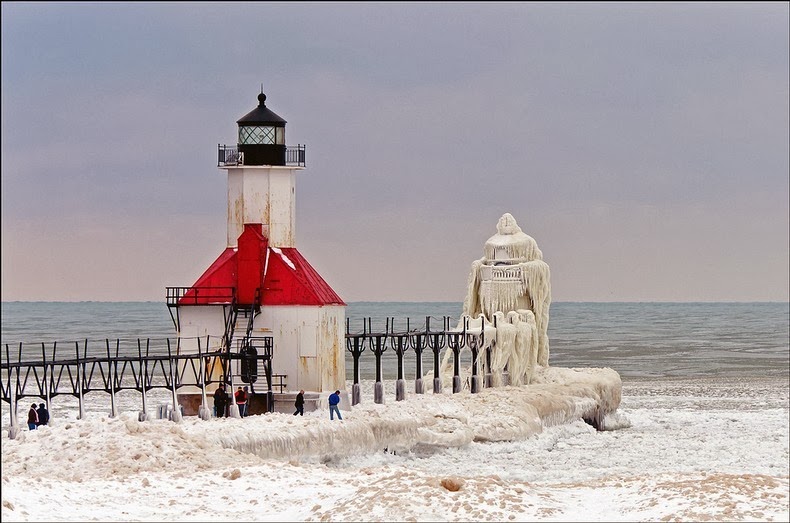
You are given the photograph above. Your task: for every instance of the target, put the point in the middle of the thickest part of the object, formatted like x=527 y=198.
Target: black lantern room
x=262 y=136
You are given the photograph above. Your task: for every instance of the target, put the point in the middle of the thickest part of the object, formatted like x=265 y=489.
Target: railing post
x=14 y=429
x=175 y=416
x=143 y=415
x=80 y=378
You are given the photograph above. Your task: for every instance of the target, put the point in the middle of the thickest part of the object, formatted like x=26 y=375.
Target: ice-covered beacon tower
x=260 y=287
x=509 y=289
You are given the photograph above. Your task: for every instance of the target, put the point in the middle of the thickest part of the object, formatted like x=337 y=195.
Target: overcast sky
x=643 y=146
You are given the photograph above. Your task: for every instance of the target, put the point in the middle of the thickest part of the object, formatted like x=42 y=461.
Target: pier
x=50 y=369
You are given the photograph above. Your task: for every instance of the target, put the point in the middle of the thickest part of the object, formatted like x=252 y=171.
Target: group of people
x=37 y=416
x=334 y=402
x=222 y=401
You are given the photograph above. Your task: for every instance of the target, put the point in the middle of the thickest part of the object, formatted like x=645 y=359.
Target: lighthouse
x=261 y=296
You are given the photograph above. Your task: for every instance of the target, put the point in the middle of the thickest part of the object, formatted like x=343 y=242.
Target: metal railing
x=229 y=155
x=425 y=338
x=113 y=365
x=199 y=295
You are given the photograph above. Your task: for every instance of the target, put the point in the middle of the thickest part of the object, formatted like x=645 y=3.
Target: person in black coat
x=43 y=414
x=220 y=401
x=299 y=403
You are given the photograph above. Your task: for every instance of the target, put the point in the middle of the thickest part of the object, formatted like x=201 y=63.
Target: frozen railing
x=500 y=272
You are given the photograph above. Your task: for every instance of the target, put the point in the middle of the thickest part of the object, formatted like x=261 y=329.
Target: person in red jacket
x=32 y=418
x=241 y=401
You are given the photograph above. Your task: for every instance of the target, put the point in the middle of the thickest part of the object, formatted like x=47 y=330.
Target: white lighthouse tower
x=260 y=288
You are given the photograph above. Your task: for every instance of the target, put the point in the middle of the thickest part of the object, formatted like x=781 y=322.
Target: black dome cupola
x=262 y=136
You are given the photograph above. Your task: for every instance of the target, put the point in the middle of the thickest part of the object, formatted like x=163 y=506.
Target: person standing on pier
x=334 y=400
x=241 y=401
x=43 y=414
x=299 y=403
x=220 y=401
x=32 y=418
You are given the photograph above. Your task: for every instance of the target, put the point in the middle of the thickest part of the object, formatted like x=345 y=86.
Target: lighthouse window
x=257 y=135
x=280 y=135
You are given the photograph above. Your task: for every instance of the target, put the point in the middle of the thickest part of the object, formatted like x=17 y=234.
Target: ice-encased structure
x=508 y=298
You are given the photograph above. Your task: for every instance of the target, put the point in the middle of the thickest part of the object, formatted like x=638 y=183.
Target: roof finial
x=262 y=97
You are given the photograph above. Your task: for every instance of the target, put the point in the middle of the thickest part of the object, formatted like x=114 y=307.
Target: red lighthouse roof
x=284 y=276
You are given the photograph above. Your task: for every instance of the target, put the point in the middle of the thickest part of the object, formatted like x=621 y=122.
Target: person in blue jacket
x=334 y=400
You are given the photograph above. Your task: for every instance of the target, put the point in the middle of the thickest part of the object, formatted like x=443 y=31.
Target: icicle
x=505 y=341
x=530 y=335
x=472 y=302
x=536 y=275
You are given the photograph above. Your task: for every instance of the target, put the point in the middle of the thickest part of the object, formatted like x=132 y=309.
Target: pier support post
x=400 y=343
x=417 y=341
x=378 y=345
x=233 y=409
x=356 y=394
x=175 y=414
x=113 y=402
x=378 y=392
x=203 y=412
x=355 y=344
x=13 y=430
x=143 y=414
x=80 y=379
x=400 y=390
x=436 y=341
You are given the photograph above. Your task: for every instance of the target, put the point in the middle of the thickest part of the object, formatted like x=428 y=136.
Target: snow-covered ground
x=687 y=449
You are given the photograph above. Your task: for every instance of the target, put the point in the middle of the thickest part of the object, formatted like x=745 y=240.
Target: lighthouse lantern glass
x=261 y=135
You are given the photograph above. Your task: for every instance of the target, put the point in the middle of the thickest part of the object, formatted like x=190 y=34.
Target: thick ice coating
x=507 y=300
x=508 y=296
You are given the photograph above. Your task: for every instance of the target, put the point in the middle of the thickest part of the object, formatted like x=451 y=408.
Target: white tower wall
x=265 y=195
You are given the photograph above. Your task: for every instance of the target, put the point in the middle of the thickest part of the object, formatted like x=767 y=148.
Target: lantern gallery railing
x=110 y=366
x=500 y=273
x=229 y=155
x=429 y=339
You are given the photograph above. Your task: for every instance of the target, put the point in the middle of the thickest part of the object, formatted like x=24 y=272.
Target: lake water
x=636 y=339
